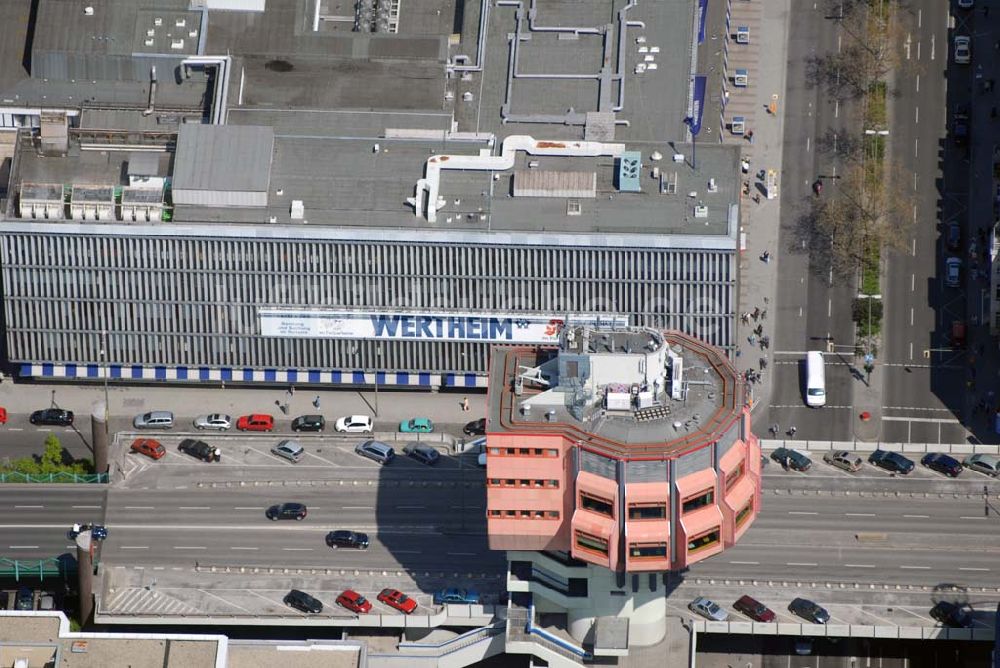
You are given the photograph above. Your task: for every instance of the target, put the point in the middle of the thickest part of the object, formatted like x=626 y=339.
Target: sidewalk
x=759 y=216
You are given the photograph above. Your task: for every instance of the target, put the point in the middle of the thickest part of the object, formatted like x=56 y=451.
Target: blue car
x=891 y=461
x=455 y=595
x=416 y=426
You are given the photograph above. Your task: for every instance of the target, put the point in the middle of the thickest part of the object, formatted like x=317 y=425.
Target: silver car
x=988 y=464
x=843 y=459
x=214 y=421
x=290 y=450
x=708 y=609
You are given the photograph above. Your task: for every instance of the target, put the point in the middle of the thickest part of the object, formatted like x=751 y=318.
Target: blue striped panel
x=470 y=380
x=402 y=378
x=293 y=375
x=380 y=377
x=116 y=371
x=203 y=373
x=160 y=372
x=92 y=371
x=182 y=373
x=425 y=379
x=48 y=369
x=270 y=375
x=248 y=375
x=227 y=373
x=71 y=371
x=136 y=371
x=313 y=375
x=337 y=376
x=359 y=377
x=27 y=370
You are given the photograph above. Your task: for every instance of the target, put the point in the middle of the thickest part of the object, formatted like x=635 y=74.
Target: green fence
x=54 y=477
x=37 y=568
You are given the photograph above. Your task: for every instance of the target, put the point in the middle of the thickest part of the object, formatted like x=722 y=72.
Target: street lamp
x=104 y=363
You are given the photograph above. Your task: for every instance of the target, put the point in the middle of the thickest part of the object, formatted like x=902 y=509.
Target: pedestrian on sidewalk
x=763 y=313
x=775 y=428
x=792 y=430
x=755 y=314
x=752 y=340
x=465 y=404
x=763 y=363
x=316 y=402
x=750 y=137
x=760 y=330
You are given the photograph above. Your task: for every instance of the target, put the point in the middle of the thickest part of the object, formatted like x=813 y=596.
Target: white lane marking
x=85 y=506
x=913 y=277
x=189 y=547
x=249 y=508
x=859 y=565
x=800 y=563
x=916 y=115
x=909 y=419
x=808 y=143
x=829 y=307
x=860 y=514
x=916 y=568
x=836 y=114
x=969 y=517
x=911 y=316
x=244 y=548
x=802 y=512
x=920 y=18
x=745 y=563
x=29 y=506
x=972 y=569
x=359 y=507
x=139 y=508
x=134 y=547
x=24 y=547
x=911 y=350
x=410 y=507
x=16 y=429
x=194 y=508
x=297 y=549
x=208 y=593
x=918 y=82
x=918 y=517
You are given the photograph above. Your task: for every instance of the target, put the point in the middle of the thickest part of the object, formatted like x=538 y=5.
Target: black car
x=954 y=236
x=424 y=454
x=952 y=614
x=942 y=463
x=342 y=538
x=475 y=428
x=792 y=459
x=960 y=125
x=308 y=423
x=891 y=461
x=199 y=450
x=25 y=599
x=303 y=602
x=287 y=511
x=809 y=611
x=52 y=416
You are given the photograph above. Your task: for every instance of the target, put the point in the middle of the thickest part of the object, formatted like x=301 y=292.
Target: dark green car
x=791 y=459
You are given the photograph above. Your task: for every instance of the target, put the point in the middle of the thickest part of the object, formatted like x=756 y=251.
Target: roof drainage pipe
x=429 y=185
x=220 y=93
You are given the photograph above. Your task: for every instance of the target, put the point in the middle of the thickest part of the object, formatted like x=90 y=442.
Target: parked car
x=809 y=611
x=55 y=417
x=456 y=595
x=965 y=4
x=308 y=423
x=25 y=599
x=793 y=459
x=954 y=237
x=416 y=426
x=200 y=450
x=290 y=450
x=255 y=422
x=287 y=511
x=376 y=451
x=891 y=461
x=154 y=420
x=963 y=49
x=988 y=464
x=475 y=428
x=424 y=454
x=354 y=424
x=754 y=609
x=951 y=614
x=303 y=602
x=213 y=421
x=3 y=420
x=953 y=272
x=960 y=135
x=343 y=538
x=708 y=609
x=149 y=447
x=942 y=463
x=398 y=600
x=354 y=602
x=843 y=459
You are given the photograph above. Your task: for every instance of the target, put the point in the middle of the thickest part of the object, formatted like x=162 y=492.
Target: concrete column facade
x=99 y=434
x=85 y=577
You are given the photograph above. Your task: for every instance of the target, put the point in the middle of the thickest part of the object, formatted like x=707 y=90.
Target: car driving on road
x=708 y=609
x=793 y=459
x=54 y=417
x=287 y=511
x=199 y=450
x=843 y=459
x=303 y=602
x=343 y=538
x=213 y=421
x=891 y=461
x=942 y=463
x=809 y=611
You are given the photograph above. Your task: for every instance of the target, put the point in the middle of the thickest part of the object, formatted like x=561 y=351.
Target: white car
x=966 y=4
x=215 y=421
x=708 y=609
x=354 y=424
x=953 y=272
x=963 y=50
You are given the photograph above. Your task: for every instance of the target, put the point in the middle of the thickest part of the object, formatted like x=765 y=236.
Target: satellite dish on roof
x=655 y=155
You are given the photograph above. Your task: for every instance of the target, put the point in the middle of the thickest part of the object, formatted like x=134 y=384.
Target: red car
x=149 y=447
x=397 y=599
x=255 y=422
x=354 y=602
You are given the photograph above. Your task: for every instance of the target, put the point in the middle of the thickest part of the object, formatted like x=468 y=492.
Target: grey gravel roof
x=223 y=157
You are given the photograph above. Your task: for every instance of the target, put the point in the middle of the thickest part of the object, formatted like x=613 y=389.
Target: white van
x=815 y=379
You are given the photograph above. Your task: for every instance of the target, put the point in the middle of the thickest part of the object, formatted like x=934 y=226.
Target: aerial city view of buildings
x=498 y=332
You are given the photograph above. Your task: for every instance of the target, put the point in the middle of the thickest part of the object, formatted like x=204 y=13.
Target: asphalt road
x=923 y=391
x=814 y=307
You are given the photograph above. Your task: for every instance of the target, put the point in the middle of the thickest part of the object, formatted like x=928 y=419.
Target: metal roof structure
x=213 y=161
